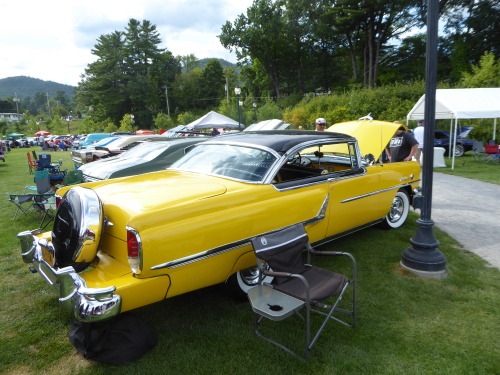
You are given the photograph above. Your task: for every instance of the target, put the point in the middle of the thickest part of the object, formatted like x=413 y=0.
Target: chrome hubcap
x=396 y=210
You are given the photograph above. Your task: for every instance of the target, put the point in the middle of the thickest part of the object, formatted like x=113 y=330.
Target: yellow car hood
x=373 y=136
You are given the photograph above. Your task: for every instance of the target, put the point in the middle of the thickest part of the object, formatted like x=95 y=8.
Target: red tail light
x=134 y=250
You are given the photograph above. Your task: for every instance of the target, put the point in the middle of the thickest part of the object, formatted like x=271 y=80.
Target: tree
x=189 y=63
x=485 y=74
x=212 y=84
x=185 y=91
x=260 y=35
x=129 y=75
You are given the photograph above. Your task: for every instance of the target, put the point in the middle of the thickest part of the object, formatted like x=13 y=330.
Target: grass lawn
x=470 y=167
x=407 y=325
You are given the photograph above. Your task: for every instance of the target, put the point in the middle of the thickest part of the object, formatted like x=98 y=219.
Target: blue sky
x=52 y=40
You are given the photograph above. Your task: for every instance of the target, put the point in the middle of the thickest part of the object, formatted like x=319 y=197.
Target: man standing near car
x=320 y=124
x=418 y=133
x=402 y=146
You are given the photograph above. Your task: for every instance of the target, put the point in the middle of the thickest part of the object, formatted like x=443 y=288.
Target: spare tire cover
x=77 y=228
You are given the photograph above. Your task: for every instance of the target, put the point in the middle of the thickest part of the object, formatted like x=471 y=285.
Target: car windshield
x=231 y=161
x=146 y=151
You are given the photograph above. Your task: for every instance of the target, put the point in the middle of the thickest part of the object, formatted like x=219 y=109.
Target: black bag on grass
x=117 y=341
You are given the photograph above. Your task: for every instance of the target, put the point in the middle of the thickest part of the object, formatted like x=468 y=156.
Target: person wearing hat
x=320 y=124
x=418 y=133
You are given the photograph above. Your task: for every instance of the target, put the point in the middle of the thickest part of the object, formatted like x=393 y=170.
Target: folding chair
x=36 y=201
x=72 y=178
x=478 y=149
x=24 y=205
x=32 y=163
x=55 y=173
x=491 y=153
x=45 y=162
x=298 y=286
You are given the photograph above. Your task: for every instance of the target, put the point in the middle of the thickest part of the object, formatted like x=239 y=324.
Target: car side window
x=318 y=163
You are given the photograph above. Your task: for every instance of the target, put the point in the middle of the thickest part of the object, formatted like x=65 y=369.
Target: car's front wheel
x=399 y=211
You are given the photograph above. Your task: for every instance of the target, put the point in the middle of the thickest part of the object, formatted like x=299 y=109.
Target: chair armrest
x=338 y=253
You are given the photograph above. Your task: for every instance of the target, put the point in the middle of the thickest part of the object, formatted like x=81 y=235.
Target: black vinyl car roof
x=280 y=140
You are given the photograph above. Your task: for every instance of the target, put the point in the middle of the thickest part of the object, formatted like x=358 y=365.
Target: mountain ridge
x=25 y=86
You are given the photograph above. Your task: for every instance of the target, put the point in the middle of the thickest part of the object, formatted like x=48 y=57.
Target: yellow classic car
x=120 y=244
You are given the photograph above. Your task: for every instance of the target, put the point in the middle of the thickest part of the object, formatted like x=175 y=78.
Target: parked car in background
x=161 y=234
x=105 y=148
x=149 y=156
x=463 y=144
x=84 y=155
x=93 y=138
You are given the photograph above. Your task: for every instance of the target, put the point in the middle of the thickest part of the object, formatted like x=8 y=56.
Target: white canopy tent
x=274 y=124
x=214 y=120
x=458 y=104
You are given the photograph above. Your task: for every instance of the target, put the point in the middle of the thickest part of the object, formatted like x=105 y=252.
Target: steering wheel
x=300 y=160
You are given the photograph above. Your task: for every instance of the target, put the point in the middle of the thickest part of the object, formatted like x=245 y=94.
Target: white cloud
x=53 y=40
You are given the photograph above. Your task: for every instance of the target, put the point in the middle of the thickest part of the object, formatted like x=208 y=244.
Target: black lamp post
x=237 y=91
x=68 y=126
x=423 y=258
x=255 y=111
x=132 y=121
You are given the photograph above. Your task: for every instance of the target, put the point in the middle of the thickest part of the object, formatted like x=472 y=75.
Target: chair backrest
x=491 y=149
x=30 y=161
x=478 y=146
x=44 y=161
x=73 y=177
x=35 y=157
x=42 y=182
x=282 y=249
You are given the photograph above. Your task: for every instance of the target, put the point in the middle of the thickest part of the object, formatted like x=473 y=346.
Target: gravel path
x=469 y=211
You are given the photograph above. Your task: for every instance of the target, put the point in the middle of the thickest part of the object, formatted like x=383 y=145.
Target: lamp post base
x=423 y=258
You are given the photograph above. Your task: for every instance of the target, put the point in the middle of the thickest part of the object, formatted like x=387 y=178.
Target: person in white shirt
x=418 y=133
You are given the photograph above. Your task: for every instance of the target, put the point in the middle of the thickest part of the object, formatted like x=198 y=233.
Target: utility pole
x=48 y=104
x=166 y=95
x=16 y=99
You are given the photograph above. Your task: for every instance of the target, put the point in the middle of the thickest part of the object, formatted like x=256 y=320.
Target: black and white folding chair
x=36 y=201
x=298 y=286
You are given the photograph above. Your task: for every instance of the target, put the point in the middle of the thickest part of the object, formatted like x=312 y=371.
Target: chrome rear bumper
x=87 y=304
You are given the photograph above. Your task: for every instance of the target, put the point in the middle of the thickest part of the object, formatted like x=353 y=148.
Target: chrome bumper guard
x=88 y=304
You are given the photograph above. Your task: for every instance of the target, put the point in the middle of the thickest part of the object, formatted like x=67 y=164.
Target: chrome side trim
x=87 y=304
x=203 y=255
x=376 y=192
x=234 y=245
x=329 y=178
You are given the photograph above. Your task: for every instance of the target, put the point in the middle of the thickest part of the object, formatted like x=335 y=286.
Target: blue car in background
x=463 y=144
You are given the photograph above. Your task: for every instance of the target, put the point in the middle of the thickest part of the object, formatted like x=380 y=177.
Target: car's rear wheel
x=399 y=211
x=242 y=281
x=77 y=229
x=459 y=150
